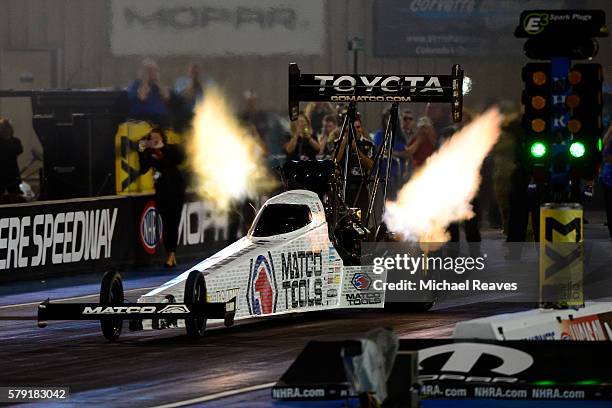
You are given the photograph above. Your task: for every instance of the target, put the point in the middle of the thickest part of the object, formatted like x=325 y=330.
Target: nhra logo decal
x=262 y=293
x=175 y=309
x=361 y=281
x=151 y=228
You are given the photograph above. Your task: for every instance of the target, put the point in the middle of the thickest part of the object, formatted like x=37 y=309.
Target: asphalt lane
x=154 y=368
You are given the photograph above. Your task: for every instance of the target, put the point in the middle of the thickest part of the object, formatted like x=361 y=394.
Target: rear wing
x=344 y=88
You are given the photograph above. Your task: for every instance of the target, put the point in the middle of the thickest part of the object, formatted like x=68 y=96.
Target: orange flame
x=441 y=191
x=227 y=160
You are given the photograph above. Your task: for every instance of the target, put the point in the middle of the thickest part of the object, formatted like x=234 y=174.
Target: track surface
x=153 y=368
x=149 y=369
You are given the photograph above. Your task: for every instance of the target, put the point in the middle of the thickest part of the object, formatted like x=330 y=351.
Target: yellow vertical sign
x=561 y=255
x=128 y=179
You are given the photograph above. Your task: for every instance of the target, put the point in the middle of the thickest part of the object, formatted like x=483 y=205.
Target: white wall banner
x=217 y=27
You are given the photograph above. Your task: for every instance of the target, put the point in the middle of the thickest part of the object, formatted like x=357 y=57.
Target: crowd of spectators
x=316 y=135
x=150 y=100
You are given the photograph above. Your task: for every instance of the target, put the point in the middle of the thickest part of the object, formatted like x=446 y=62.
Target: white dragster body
x=285 y=264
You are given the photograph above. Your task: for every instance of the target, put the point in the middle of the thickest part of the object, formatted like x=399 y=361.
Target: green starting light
x=577 y=149
x=599 y=144
x=588 y=382
x=538 y=149
x=545 y=382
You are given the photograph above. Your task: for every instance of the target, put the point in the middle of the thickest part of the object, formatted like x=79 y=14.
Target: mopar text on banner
x=217 y=27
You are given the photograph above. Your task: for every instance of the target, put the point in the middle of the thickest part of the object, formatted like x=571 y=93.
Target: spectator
x=271 y=127
x=408 y=124
x=441 y=120
x=505 y=163
x=302 y=145
x=316 y=111
x=10 y=149
x=146 y=96
x=423 y=143
x=326 y=136
x=154 y=151
x=399 y=155
x=359 y=166
x=191 y=88
x=471 y=226
x=606 y=177
x=187 y=93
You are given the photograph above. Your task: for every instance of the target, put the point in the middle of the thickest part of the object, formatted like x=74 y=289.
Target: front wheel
x=111 y=294
x=195 y=293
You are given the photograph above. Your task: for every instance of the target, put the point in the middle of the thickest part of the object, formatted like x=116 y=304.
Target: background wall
x=78 y=33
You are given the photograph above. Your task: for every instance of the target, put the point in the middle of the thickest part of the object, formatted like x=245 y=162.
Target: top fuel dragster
x=302 y=252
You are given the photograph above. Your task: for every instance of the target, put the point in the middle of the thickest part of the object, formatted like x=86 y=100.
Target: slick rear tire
x=111 y=294
x=195 y=292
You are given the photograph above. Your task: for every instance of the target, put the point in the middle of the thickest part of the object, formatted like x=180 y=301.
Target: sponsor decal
x=542 y=336
x=457 y=362
x=199 y=224
x=262 y=293
x=151 y=228
x=366 y=298
x=587 y=328
x=361 y=281
x=332 y=255
x=332 y=293
x=60 y=238
x=301 y=275
x=366 y=98
x=333 y=280
x=386 y=83
x=534 y=23
x=552 y=224
x=606 y=322
x=561 y=266
x=175 y=309
x=223 y=295
x=118 y=310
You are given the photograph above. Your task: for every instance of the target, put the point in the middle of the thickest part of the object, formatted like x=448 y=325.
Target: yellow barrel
x=561 y=255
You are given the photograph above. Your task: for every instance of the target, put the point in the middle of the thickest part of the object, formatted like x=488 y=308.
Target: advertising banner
x=60 y=236
x=450 y=28
x=43 y=239
x=217 y=27
x=468 y=370
x=200 y=230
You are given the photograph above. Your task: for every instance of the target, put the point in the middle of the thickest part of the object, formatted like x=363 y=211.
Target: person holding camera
x=155 y=152
x=302 y=145
x=10 y=149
